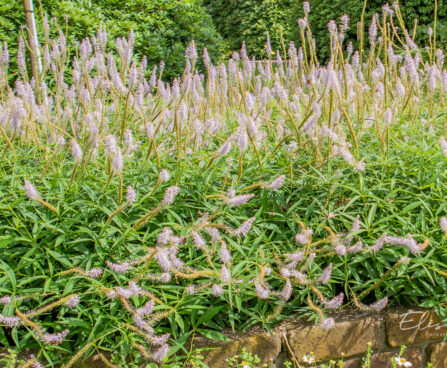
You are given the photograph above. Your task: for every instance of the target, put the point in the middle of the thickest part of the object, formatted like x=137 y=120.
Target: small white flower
x=246 y=366
x=309 y=359
x=402 y=362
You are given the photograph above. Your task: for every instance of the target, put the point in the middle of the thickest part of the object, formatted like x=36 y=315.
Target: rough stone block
x=412 y=326
x=346 y=339
x=437 y=354
x=265 y=345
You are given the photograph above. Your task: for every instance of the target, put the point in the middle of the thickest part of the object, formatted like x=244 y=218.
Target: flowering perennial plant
x=254 y=191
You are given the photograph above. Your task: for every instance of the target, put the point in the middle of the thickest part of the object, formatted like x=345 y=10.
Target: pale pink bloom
x=326 y=274
x=239 y=200
x=164 y=176
x=304 y=237
x=277 y=183
x=36 y=363
x=73 y=301
x=198 y=240
x=213 y=233
x=136 y=290
x=163 y=260
x=131 y=195
x=140 y=323
x=117 y=161
x=95 y=272
x=5 y=299
x=216 y=290
x=159 y=340
x=31 y=191
x=124 y=292
x=443 y=223
x=380 y=304
x=118 y=267
x=261 y=291
x=111 y=294
x=379 y=243
x=340 y=249
x=225 y=148
x=10 y=321
x=76 y=151
x=161 y=353
x=300 y=276
x=295 y=257
x=245 y=227
x=225 y=274
x=327 y=323
x=165 y=278
x=164 y=236
x=170 y=195
x=225 y=256
x=335 y=302
x=146 y=309
x=443 y=144
x=355 y=227
x=356 y=248
x=287 y=290
x=55 y=339
x=306 y=8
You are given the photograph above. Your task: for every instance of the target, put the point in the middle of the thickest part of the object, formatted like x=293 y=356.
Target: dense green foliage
x=254 y=192
x=163 y=28
x=249 y=21
x=323 y=11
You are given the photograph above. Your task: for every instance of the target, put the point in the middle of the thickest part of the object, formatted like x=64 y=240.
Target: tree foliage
x=250 y=20
x=163 y=28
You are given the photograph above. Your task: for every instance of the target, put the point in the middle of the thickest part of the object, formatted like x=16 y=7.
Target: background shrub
x=323 y=11
x=163 y=28
x=250 y=20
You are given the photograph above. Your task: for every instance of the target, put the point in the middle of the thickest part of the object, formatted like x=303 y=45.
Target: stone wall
x=419 y=329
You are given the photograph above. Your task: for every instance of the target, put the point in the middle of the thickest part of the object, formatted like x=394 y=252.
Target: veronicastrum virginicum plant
x=137 y=213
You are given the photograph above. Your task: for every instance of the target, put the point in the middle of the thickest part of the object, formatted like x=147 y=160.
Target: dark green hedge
x=249 y=20
x=163 y=28
x=322 y=11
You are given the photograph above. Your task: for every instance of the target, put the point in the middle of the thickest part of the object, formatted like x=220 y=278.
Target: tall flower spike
x=443 y=144
x=287 y=291
x=131 y=195
x=326 y=275
x=163 y=176
x=239 y=200
x=31 y=191
x=261 y=291
x=76 y=151
x=443 y=224
x=277 y=183
x=73 y=301
x=55 y=339
x=170 y=195
x=335 y=302
x=245 y=227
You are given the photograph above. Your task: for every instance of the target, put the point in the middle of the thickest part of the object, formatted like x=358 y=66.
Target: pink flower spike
x=73 y=301
x=31 y=191
x=55 y=339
